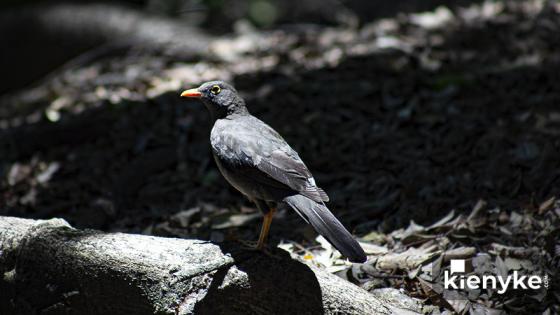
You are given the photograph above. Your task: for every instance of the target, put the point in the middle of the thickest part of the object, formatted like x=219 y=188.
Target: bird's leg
x=265 y=228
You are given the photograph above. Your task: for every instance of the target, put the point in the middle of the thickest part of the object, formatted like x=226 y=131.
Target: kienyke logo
x=455 y=279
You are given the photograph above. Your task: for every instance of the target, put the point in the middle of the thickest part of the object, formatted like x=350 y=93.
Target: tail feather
x=325 y=223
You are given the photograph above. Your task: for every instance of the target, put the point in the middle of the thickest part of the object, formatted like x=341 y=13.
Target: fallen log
x=49 y=267
x=64 y=31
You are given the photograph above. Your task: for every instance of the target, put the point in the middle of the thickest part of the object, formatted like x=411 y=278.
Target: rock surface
x=49 y=267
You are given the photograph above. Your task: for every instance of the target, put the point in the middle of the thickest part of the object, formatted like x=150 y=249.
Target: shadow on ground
x=298 y=281
x=387 y=138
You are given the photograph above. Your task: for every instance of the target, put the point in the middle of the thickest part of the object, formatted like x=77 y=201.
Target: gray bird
x=259 y=163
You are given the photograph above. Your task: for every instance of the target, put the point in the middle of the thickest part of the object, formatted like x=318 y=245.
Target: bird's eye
x=215 y=90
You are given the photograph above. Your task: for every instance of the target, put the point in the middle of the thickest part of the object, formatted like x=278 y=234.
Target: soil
x=401 y=119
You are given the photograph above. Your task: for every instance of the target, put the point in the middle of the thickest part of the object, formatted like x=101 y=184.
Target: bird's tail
x=325 y=223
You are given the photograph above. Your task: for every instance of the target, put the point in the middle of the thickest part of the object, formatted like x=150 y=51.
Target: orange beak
x=191 y=93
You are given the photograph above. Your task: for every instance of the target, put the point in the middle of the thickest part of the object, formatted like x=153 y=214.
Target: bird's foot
x=254 y=247
x=248 y=245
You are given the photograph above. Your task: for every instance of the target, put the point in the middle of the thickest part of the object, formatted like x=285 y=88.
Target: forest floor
x=445 y=115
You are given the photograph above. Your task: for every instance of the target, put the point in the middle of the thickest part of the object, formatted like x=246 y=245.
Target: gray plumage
x=259 y=163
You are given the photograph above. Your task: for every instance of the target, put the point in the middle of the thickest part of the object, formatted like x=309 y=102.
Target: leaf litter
x=439 y=109
x=491 y=241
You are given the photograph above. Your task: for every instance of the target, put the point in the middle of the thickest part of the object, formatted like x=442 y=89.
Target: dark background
x=403 y=111
x=436 y=119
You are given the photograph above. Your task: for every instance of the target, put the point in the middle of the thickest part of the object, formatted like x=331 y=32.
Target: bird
x=259 y=163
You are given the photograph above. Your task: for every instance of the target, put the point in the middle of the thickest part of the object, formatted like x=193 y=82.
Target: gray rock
x=49 y=267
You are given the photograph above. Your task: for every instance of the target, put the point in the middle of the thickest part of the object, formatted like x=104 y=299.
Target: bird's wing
x=287 y=168
x=265 y=150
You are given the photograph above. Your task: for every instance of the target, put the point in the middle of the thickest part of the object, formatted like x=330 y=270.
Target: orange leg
x=265 y=228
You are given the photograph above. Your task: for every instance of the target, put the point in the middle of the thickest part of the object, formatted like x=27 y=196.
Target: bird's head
x=220 y=98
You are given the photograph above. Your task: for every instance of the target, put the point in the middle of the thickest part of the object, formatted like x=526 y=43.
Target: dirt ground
x=401 y=119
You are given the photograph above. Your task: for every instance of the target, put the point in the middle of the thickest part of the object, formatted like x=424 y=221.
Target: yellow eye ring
x=215 y=90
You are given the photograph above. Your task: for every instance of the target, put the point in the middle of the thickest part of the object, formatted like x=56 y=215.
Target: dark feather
x=257 y=161
x=253 y=144
x=290 y=170
x=325 y=223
